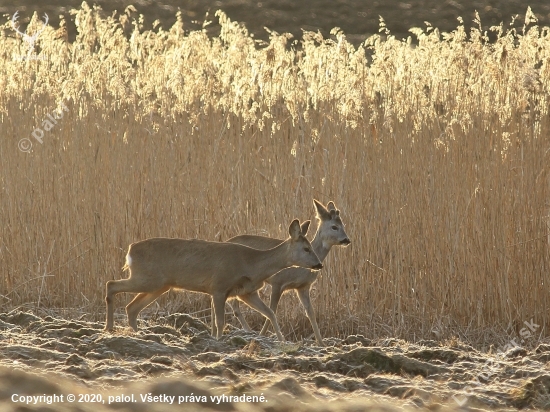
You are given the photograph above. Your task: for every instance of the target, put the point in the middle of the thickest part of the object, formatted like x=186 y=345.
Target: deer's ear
x=322 y=212
x=304 y=227
x=295 y=230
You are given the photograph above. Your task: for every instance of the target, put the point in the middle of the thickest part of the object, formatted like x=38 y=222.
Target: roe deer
x=219 y=269
x=329 y=233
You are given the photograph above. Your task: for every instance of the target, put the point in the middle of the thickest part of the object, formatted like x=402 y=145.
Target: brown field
x=177 y=357
x=437 y=154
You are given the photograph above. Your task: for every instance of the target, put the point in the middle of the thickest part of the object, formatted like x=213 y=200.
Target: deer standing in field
x=329 y=233
x=221 y=270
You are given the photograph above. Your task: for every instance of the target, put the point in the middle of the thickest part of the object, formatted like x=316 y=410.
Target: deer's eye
x=306 y=249
x=334 y=227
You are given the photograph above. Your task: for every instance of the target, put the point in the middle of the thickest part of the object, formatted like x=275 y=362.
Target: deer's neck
x=320 y=249
x=268 y=262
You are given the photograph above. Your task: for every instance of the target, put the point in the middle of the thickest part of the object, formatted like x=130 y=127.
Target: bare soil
x=176 y=356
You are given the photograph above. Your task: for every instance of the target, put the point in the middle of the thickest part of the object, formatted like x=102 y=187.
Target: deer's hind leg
x=253 y=300
x=276 y=293
x=114 y=287
x=140 y=302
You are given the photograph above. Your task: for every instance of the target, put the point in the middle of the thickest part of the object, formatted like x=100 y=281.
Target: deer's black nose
x=319 y=266
x=346 y=241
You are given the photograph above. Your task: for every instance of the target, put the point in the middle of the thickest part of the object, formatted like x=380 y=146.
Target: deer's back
x=256 y=242
x=196 y=265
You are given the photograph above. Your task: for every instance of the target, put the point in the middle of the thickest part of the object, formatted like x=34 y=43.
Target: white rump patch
x=128 y=260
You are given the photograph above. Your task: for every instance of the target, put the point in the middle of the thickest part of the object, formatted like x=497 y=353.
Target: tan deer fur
x=330 y=232
x=221 y=270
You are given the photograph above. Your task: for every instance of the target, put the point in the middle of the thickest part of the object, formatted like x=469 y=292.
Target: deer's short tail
x=128 y=263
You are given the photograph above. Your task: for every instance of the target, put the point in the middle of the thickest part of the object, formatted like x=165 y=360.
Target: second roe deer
x=221 y=270
x=329 y=233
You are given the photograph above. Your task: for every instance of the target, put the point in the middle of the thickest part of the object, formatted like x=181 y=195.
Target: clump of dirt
x=177 y=357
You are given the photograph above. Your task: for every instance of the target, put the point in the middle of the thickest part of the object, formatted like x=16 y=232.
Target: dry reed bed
x=437 y=154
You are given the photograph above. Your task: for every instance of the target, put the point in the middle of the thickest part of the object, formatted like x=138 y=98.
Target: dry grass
x=438 y=156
